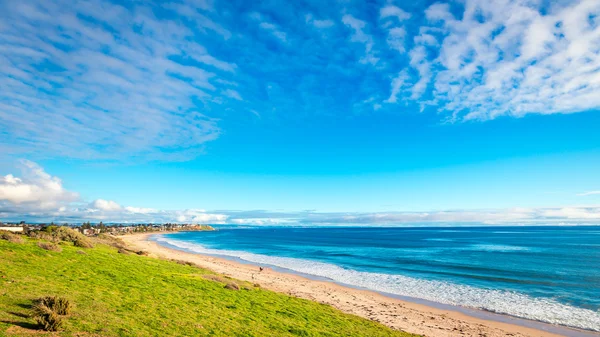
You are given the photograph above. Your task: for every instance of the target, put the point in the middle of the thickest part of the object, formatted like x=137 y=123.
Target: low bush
x=71 y=235
x=214 y=277
x=185 y=263
x=58 y=234
x=59 y=305
x=48 y=320
x=110 y=241
x=83 y=243
x=49 y=312
x=232 y=286
x=50 y=246
x=42 y=236
x=10 y=237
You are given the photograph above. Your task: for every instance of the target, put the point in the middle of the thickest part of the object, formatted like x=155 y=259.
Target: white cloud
x=36 y=188
x=272 y=28
x=572 y=213
x=397 y=84
x=360 y=36
x=40 y=197
x=396 y=33
x=233 y=94
x=263 y=221
x=320 y=24
x=104 y=82
x=140 y=210
x=584 y=194
x=200 y=216
x=106 y=205
x=509 y=57
x=196 y=11
x=396 y=38
x=393 y=11
x=495 y=216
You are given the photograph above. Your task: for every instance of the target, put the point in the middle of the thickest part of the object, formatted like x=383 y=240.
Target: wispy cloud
x=585 y=194
x=151 y=80
x=269 y=27
x=96 y=80
x=391 y=11
x=396 y=33
x=360 y=36
x=320 y=24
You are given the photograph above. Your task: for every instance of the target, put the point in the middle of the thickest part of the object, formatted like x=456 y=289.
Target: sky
x=309 y=112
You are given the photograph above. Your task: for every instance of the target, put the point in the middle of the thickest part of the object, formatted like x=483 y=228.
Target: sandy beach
x=395 y=313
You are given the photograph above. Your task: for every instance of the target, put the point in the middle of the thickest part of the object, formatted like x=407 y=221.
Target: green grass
x=130 y=295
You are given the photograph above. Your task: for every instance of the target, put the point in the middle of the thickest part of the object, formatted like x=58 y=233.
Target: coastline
x=394 y=312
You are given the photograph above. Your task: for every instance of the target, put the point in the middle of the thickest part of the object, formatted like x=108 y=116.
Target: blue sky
x=374 y=112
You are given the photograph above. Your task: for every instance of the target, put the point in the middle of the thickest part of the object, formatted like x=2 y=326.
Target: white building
x=18 y=229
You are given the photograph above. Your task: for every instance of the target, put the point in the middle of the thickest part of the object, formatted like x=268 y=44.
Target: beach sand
x=397 y=314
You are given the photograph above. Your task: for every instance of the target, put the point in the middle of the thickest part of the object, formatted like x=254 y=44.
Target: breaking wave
x=498 y=301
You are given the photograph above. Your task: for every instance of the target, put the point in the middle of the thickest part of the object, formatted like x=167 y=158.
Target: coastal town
x=91 y=229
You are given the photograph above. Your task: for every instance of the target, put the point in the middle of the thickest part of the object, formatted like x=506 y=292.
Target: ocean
x=547 y=274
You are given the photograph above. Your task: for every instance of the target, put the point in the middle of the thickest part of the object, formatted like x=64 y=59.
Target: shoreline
x=406 y=314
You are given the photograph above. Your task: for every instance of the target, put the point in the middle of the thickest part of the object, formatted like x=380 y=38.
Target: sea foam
x=498 y=301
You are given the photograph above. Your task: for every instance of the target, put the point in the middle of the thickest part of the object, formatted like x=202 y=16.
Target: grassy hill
x=119 y=294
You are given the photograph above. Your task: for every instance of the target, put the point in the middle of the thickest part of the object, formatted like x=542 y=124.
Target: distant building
x=16 y=229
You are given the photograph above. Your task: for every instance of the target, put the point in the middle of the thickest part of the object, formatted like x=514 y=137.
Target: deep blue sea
x=548 y=274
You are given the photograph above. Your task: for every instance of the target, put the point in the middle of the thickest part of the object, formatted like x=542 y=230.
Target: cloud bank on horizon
x=39 y=197
x=124 y=80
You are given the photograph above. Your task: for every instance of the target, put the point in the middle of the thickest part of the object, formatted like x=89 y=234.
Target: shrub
x=42 y=236
x=50 y=246
x=232 y=286
x=110 y=241
x=58 y=234
x=83 y=243
x=142 y=252
x=50 y=228
x=185 y=263
x=70 y=235
x=59 y=305
x=48 y=320
x=214 y=277
x=10 y=237
x=49 y=312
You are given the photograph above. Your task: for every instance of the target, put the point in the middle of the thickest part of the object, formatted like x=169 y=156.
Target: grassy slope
x=130 y=295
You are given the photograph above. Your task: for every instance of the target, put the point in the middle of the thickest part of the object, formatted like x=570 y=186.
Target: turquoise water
x=549 y=274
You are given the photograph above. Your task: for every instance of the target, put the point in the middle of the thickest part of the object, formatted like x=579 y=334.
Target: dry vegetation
x=10 y=237
x=50 y=246
x=50 y=311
